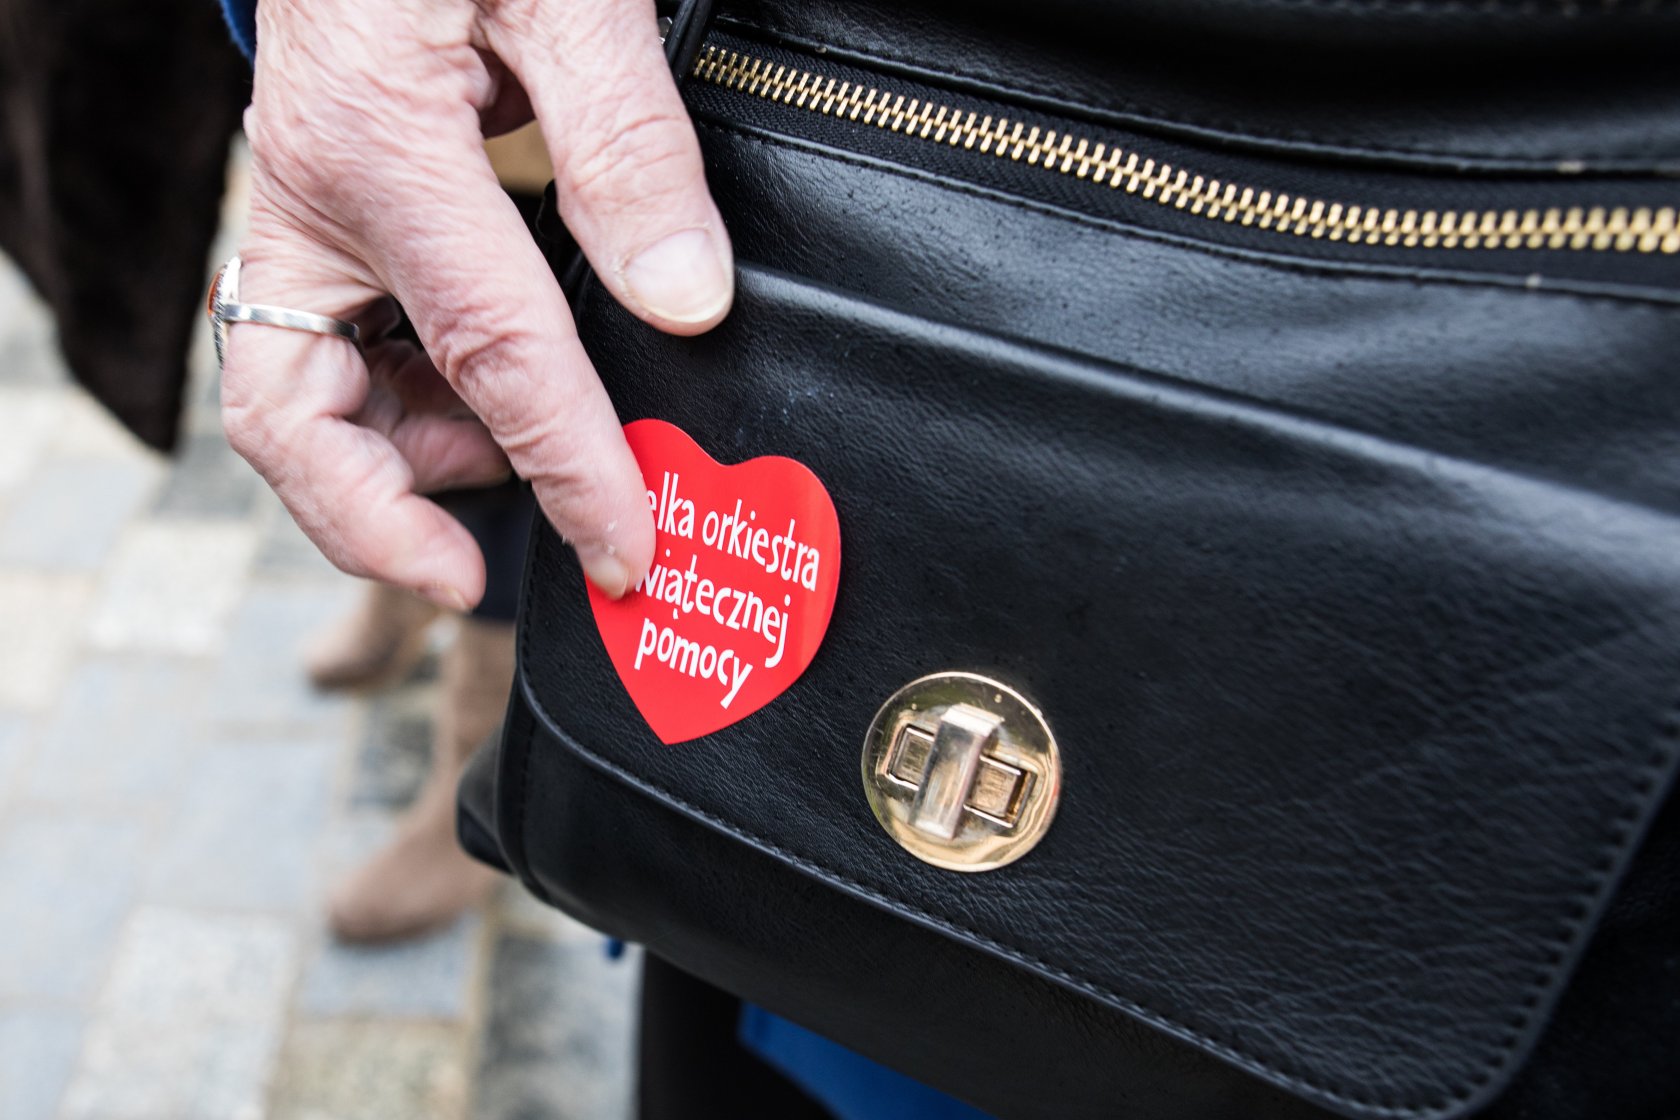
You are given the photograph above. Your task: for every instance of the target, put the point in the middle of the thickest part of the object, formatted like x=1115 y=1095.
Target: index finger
x=455 y=252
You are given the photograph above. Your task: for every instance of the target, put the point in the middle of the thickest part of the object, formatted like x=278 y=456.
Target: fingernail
x=681 y=278
x=446 y=597
x=606 y=571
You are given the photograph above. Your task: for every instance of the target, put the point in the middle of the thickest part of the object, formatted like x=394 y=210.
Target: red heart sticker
x=746 y=565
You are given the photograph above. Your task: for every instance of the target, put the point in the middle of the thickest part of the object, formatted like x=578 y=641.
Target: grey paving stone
x=205 y=383
x=24 y=361
x=68 y=515
x=189 y=1026
x=29 y=352
x=352 y=838
x=171 y=586
x=41 y=619
x=123 y=732
x=395 y=751
x=429 y=668
x=208 y=480
x=522 y=914
x=66 y=881
x=285 y=552
x=244 y=834
x=557 y=1042
x=28 y=417
x=14 y=731
x=259 y=680
x=38 y=1050
x=88 y=430
x=371 y=1070
x=423 y=977
x=14 y=289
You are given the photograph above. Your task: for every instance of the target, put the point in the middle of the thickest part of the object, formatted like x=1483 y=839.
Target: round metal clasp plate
x=962 y=771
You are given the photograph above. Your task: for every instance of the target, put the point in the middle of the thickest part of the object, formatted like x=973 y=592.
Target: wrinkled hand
x=369 y=181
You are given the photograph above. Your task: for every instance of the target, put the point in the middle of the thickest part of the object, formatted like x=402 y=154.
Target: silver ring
x=225 y=310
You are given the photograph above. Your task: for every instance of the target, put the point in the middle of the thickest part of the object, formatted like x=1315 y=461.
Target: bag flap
x=1356 y=736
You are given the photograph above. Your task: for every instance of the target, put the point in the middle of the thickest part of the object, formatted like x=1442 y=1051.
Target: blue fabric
x=844 y=1081
x=242 y=21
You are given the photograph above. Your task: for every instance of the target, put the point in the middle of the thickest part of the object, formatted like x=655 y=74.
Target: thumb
x=628 y=174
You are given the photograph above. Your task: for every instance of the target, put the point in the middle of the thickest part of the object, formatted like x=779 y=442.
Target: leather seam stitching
x=1233 y=128
x=1325 y=269
x=1581 y=905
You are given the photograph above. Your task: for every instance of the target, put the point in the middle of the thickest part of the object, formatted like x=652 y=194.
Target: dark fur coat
x=115 y=119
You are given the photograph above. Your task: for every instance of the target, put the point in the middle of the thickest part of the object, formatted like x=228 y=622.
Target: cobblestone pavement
x=174 y=801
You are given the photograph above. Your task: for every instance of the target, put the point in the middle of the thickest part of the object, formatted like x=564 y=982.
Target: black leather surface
x=1355 y=735
x=1030 y=1050
x=1352 y=595
x=1519 y=84
x=755 y=926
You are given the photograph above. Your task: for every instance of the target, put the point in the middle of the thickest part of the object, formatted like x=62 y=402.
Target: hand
x=369 y=181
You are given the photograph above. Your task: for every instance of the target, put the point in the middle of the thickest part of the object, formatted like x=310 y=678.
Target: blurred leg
x=377 y=643
x=422 y=879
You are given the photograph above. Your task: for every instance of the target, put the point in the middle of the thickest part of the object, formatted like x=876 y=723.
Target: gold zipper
x=1620 y=229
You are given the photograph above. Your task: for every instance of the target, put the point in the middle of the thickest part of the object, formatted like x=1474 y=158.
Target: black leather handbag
x=1274 y=405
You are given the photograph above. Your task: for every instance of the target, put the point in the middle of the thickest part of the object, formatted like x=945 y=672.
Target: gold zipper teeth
x=1595 y=228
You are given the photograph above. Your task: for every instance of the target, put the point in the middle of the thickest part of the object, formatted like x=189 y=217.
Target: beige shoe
x=422 y=879
x=379 y=642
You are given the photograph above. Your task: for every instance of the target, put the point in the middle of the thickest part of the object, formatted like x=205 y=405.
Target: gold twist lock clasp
x=962 y=771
